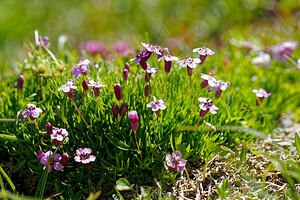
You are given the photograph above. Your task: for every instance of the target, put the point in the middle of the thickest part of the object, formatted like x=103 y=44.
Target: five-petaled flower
x=31 y=111
x=208 y=80
x=283 y=49
x=142 y=58
x=149 y=71
x=45 y=159
x=190 y=63
x=59 y=134
x=204 y=52
x=218 y=87
x=84 y=156
x=81 y=68
x=96 y=87
x=157 y=105
x=175 y=161
x=68 y=88
x=168 y=61
x=261 y=94
x=206 y=105
x=152 y=48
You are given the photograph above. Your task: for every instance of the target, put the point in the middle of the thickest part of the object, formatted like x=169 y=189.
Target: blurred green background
x=192 y=23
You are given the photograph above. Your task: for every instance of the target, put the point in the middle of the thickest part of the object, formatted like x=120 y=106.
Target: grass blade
x=8 y=179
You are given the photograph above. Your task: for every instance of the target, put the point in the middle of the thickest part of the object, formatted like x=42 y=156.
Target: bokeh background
x=186 y=24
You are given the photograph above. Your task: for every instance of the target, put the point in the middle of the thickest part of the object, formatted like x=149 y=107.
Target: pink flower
x=157 y=105
x=204 y=52
x=122 y=48
x=250 y=46
x=20 y=82
x=152 y=48
x=206 y=105
x=118 y=91
x=208 y=80
x=190 y=63
x=68 y=88
x=149 y=71
x=142 y=58
x=96 y=87
x=59 y=134
x=283 y=48
x=83 y=156
x=44 y=159
x=175 y=162
x=134 y=120
x=262 y=59
x=219 y=86
x=261 y=94
x=43 y=41
x=95 y=47
x=168 y=61
x=31 y=111
x=81 y=68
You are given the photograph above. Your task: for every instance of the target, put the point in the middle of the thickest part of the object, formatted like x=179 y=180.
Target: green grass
x=114 y=147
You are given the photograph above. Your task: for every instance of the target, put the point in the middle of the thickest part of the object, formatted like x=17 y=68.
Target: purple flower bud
x=123 y=109
x=190 y=71
x=168 y=65
x=134 y=120
x=204 y=84
x=65 y=159
x=127 y=66
x=218 y=93
x=147 y=91
x=147 y=77
x=85 y=85
x=115 y=110
x=48 y=128
x=125 y=74
x=203 y=113
x=70 y=94
x=96 y=91
x=56 y=142
x=20 y=82
x=118 y=91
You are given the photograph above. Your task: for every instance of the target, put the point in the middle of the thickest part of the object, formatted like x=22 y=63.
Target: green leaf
x=122 y=184
x=19 y=166
x=243 y=154
x=7 y=179
x=229 y=150
x=118 y=143
x=63 y=107
x=8 y=137
x=297 y=143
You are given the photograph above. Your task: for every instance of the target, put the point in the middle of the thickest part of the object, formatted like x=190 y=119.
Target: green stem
x=204 y=172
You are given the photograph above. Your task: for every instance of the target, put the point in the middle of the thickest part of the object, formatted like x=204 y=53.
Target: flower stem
x=42 y=91
x=36 y=125
x=79 y=113
x=137 y=142
x=134 y=77
x=191 y=86
x=168 y=172
x=162 y=89
x=204 y=172
x=198 y=121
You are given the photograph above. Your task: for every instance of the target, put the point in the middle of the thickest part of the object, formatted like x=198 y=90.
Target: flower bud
x=125 y=74
x=85 y=85
x=127 y=66
x=218 y=93
x=190 y=71
x=65 y=159
x=147 y=77
x=134 y=120
x=96 y=91
x=168 y=65
x=48 y=128
x=70 y=94
x=123 y=109
x=20 y=82
x=118 y=91
x=204 y=84
x=202 y=58
x=147 y=91
x=115 y=110
x=203 y=112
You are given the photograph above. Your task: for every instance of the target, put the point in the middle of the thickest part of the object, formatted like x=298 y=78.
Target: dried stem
x=36 y=125
x=191 y=86
x=79 y=113
x=198 y=121
x=98 y=100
